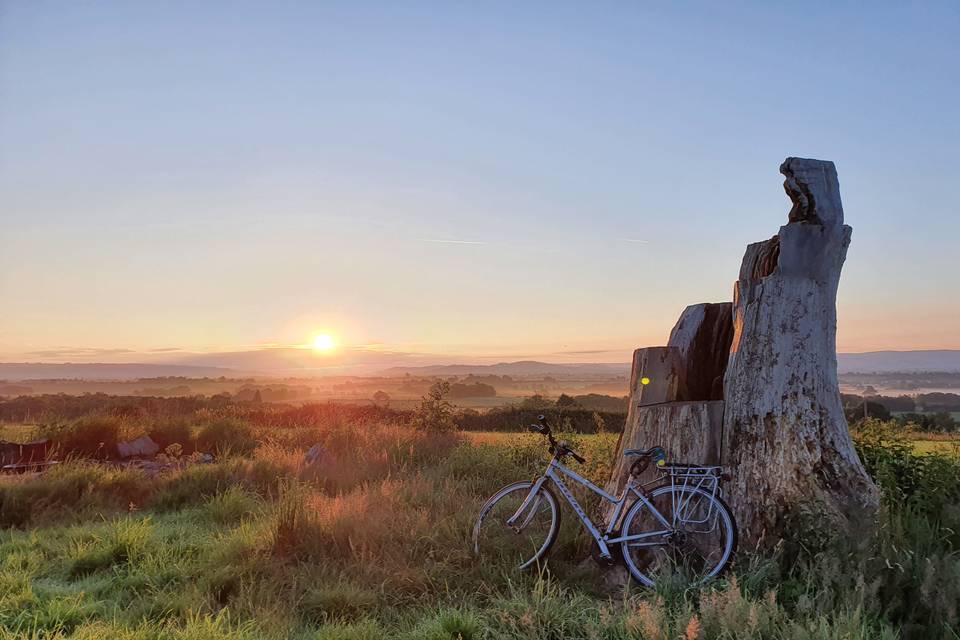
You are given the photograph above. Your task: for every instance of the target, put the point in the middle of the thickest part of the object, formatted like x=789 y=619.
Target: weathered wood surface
x=662 y=370
x=13 y=453
x=688 y=431
x=785 y=438
x=703 y=335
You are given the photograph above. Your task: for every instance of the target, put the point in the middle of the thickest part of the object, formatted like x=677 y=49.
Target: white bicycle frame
x=554 y=471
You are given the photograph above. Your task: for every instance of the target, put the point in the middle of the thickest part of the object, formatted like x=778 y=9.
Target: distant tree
x=247 y=394
x=938 y=401
x=475 y=390
x=381 y=399
x=943 y=421
x=854 y=410
x=435 y=414
x=536 y=402
x=599 y=423
x=566 y=402
x=900 y=403
x=598 y=402
x=940 y=422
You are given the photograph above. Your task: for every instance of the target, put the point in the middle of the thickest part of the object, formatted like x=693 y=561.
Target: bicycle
x=678 y=525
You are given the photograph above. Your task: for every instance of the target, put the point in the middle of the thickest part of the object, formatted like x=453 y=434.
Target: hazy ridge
x=13 y=371
x=939 y=360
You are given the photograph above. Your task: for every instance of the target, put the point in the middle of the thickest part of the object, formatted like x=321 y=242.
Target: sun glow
x=323 y=342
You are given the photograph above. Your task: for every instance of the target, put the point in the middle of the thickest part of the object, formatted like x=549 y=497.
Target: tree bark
x=688 y=432
x=703 y=335
x=785 y=438
x=656 y=376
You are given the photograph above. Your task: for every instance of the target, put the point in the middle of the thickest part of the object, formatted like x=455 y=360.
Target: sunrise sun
x=323 y=342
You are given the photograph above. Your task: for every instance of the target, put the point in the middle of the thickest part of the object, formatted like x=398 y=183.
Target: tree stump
x=703 y=335
x=688 y=432
x=771 y=357
x=656 y=376
x=673 y=408
x=785 y=438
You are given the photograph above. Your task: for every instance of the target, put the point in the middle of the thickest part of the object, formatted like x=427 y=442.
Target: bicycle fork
x=532 y=501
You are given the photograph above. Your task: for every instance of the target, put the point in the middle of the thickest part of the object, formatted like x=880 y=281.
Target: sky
x=458 y=180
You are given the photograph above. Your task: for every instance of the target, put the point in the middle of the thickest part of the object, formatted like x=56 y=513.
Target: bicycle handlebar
x=557 y=448
x=574 y=454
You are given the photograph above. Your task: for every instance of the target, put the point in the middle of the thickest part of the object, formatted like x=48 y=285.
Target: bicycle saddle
x=642 y=452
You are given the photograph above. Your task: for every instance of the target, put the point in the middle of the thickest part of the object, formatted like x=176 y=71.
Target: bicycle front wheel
x=688 y=536
x=515 y=530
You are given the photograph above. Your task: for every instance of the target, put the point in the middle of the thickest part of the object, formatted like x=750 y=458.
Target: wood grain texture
x=785 y=437
x=688 y=432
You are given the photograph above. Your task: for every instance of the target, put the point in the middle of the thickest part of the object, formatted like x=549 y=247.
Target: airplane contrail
x=451 y=241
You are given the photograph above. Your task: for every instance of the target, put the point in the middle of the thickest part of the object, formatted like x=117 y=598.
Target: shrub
x=926 y=483
x=127 y=540
x=435 y=414
x=232 y=505
x=93 y=437
x=517 y=418
x=71 y=488
x=269 y=468
x=227 y=436
x=196 y=483
x=449 y=624
x=171 y=432
x=292 y=526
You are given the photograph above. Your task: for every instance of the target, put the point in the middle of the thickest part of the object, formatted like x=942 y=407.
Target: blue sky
x=224 y=176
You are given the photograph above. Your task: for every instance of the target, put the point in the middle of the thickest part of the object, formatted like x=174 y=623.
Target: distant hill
x=521 y=368
x=105 y=371
x=945 y=360
x=298 y=362
x=890 y=361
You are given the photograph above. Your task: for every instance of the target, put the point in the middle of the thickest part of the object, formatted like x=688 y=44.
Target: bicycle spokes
x=692 y=549
x=515 y=527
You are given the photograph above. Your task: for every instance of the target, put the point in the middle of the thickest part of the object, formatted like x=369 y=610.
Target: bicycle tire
x=724 y=514
x=506 y=491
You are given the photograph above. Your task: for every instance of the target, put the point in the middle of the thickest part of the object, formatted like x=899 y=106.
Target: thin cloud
x=585 y=352
x=438 y=241
x=77 y=352
x=616 y=354
x=634 y=240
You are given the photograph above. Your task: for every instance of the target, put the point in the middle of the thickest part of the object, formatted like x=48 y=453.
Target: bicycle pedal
x=606 y=561
x=603 y=561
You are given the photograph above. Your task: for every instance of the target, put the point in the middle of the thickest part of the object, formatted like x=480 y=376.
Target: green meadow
x=372 y=542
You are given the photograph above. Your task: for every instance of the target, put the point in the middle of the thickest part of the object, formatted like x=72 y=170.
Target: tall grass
x=370 y=542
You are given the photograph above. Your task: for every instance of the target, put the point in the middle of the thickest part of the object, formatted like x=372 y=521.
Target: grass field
x=373 y=544
x=947 y=447
x=17 y=432
x=953 y=414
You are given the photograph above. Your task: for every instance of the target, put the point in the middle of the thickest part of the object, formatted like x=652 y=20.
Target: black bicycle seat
x=640 y=452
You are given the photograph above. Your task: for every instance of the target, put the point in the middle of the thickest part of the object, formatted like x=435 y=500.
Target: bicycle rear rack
x=685 y=478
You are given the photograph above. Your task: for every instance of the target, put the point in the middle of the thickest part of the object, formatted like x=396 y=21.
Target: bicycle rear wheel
x=696 y=542
x=507 y=531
